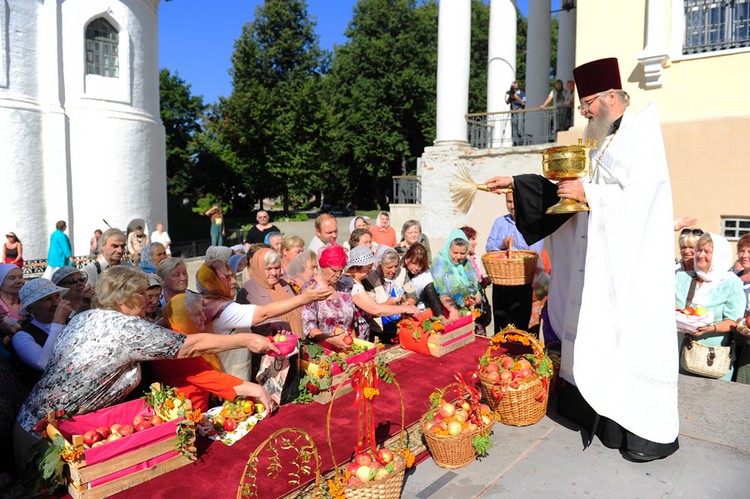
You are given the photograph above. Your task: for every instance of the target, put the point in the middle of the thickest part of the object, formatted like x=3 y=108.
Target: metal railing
x=407 y=189
x=711 y=25
x=518 y=128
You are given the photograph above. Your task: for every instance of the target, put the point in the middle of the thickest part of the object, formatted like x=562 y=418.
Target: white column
x=654 y=56
x=566 y=45
x=538 y=48
x=501 y=65
x=454 y=50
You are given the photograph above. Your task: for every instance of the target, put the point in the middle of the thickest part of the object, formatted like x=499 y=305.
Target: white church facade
x=80 y=135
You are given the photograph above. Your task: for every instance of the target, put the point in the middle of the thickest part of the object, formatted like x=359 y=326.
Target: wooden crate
x=81 y=475
x=441 y=344
x=338 y=376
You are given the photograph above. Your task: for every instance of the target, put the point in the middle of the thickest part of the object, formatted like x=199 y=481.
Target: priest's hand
x=571 y=189
x=496 y=184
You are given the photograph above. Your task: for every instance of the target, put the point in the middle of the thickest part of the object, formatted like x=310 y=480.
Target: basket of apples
x=456 y=433
x=373 y=473
x=516 y=386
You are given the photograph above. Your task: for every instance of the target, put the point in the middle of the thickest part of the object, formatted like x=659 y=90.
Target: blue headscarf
x=147 y=261
x=267 y=239
x=234 y=261
x=457 y=280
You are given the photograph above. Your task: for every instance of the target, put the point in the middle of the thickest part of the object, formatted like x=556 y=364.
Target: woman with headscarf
x=715 y=288
x=454 y=276
x=151 y=256
x=216 y=282
x=199 y=377
x=11 y=282
x=328 y=319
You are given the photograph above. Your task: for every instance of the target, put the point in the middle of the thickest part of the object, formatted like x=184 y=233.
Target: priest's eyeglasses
x=586 y=103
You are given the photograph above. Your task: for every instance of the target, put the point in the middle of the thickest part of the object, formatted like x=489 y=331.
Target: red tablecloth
x=219 y=468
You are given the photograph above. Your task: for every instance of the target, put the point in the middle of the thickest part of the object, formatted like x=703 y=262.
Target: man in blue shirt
x=510 y=304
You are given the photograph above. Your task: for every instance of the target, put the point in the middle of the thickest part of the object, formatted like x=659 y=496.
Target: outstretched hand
x=497 y=184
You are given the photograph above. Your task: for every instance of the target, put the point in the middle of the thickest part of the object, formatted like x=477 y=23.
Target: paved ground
x=547 y=460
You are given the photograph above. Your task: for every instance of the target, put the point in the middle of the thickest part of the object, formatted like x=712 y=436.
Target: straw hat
x=35 y=290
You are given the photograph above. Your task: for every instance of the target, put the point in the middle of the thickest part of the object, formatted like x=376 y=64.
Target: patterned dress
x=96 y=363
x=337 y=310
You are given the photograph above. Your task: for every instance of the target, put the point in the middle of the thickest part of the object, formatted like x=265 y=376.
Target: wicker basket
x=391 y=487
x=510 y=271
x=451 y=451
x=524 y=405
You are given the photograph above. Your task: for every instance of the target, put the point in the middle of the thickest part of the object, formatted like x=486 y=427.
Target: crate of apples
x=103 y=434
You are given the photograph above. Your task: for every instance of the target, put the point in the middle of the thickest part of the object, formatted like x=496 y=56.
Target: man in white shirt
x=112 y=244
x=326 y=231
x=161 y=236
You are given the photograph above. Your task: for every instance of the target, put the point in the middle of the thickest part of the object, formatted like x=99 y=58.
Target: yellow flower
x=371 y=392
x=409 y=458
x=336 y=489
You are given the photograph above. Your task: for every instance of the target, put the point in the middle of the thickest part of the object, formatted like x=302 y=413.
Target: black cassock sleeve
x=532 y=195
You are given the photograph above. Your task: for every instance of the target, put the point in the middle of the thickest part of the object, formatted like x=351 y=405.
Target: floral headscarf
x=213 y=283
x=177 y=315
x=455 y=280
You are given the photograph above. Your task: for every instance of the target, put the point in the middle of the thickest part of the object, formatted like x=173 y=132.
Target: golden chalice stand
x=567 y=163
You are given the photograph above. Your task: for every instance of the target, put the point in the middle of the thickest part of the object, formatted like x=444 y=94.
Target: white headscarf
x=721 y=261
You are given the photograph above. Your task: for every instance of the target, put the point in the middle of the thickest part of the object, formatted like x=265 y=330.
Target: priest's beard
x=598 y=127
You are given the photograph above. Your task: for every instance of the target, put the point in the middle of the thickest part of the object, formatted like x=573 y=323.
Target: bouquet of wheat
x=463 y=189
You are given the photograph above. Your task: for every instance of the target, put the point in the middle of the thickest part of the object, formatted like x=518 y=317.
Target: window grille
x=101 y=49
x=734 y=228
x=712 y=25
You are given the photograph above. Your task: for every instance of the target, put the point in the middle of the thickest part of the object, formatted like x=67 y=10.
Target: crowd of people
x=84 y=339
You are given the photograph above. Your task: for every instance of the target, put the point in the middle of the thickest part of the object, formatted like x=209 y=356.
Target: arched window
x=101 y=49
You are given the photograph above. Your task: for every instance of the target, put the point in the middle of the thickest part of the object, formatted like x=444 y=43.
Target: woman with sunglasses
x=79 y=292
x=687 y=241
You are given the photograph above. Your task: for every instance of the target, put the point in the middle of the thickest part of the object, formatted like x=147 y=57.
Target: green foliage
x=482 y=444
x=297 y=217
x=522 y=27
x=206 y=202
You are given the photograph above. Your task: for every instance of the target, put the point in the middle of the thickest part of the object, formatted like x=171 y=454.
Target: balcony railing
x=518 y=128
x=407 y=189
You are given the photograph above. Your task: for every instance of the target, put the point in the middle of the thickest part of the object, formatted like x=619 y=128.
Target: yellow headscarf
x=177 y=315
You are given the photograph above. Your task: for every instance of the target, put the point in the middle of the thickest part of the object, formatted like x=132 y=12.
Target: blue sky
x=196 y=37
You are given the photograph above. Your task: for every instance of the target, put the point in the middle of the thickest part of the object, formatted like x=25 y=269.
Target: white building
x=80 y=135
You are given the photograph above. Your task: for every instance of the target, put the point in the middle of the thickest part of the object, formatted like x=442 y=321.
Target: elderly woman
x=32 y=346
x=411 y=233
x=358 y=268
x=12 y=250
x=417 y=265
x=274 y=240
x=301 y=269
x=174 y=278
x=79 y=292
x=96 y=362
x=714 y=287
x=383 y=233
x=359 y=222
x=151 y=256
x=326 y=320
x=743 y=338
x=153 y=293
x=216 y=282
x=454 y=277
x=389 y=284
x=11 y=282
x=199 y=377
x=687 y=241
x=291 y=246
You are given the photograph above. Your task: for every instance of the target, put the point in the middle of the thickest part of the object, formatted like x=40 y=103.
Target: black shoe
x=643 y=458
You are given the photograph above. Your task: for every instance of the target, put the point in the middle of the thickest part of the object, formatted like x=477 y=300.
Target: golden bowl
x=563 y=162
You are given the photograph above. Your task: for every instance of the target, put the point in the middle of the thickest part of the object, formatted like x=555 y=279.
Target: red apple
x=514 y=385
x=384 y=456
x=689 y=311
x=506 y=375
x=447 y=410
x=461 y=415
x=523 y=363
x=484 y=408
x=103 y=432
x=353 y=480
x=143 y=425
x=493 y=376
x=116 y=428
x=507 y=363
x=230 y=424
x=139 y=419
x=90 y=437
x=155 y=420
x=363 y=459
x=352 y=468
x=114 y=436
x=526 y=372
x=126 y=430
x=492 y=366
x=374 y=465
x=428 y=425
x=380 y=474
x=348 y=340
x=454 y=428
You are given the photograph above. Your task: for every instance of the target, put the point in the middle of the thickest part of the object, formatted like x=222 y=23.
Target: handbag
x=704 y=360
x=485 y=310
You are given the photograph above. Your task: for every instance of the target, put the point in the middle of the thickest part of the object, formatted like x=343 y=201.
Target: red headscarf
x=332 y=256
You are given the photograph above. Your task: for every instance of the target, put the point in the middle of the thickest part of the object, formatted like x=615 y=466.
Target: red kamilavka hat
x=597 y=76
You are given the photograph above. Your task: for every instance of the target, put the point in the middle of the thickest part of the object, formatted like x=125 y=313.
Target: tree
x=180 y=113
x=275 y=120
x=383 y=85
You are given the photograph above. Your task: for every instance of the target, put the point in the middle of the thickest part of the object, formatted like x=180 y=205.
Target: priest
x=611 y=298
